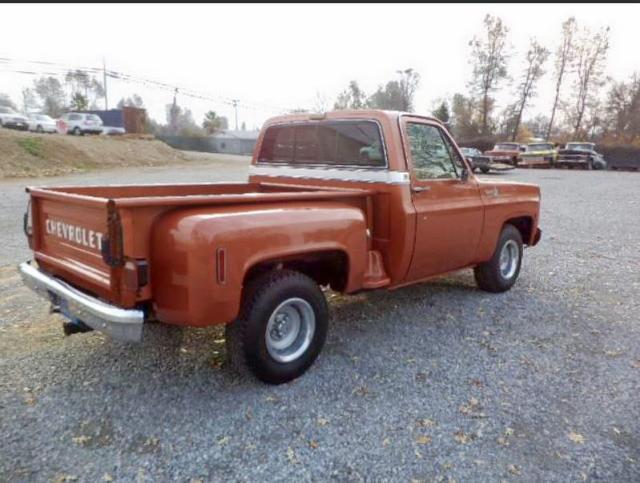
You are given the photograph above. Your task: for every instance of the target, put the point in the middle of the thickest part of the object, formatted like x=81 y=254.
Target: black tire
x=514 y=161
x=484 y=170
x=76 y=131
x=246 y=337
x=488 y=275
x=599 y=165
x=39 y=129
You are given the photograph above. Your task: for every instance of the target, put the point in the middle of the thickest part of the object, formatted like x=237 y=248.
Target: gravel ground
x=435 y=382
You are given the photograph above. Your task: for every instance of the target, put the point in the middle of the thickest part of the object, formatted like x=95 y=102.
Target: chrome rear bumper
x=121 y=324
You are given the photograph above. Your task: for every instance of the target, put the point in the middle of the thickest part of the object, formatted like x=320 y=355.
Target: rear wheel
x=76 y=131
x=502 y=270
x=484 y=170
x=282 y=328
x=39 y=129
x=599 y=164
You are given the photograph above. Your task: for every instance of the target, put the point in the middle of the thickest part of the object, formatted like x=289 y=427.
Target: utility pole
x=174 y=113
x=235 y=106
x=104 y=80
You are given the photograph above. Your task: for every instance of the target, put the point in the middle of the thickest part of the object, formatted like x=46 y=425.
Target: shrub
x=32 y=146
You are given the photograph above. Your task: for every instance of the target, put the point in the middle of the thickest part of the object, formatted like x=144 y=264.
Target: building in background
x=227 y=141
x=234 y=141
x=131 y=119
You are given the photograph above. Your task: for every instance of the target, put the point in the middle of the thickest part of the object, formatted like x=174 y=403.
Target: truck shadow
x=169 y=355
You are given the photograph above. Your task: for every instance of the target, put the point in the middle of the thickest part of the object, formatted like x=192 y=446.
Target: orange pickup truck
x=352 y=200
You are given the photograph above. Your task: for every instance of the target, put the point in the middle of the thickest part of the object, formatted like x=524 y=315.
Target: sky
x=281 y=56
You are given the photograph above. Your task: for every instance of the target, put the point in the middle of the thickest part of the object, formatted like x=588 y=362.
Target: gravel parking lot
x=435 y=382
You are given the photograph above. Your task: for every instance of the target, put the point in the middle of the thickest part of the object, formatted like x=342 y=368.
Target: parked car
x=477 y=160
x=254 y=255
x=42 y=123
x=12 y=119
x=539 y=154
x=583 y=155
x=79 y=124
x=113 y=131
x=506 y=153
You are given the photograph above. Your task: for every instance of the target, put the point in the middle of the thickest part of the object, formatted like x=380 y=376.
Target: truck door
x=449 y=211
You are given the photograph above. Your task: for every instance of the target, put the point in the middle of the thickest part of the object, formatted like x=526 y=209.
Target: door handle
x=420 y=189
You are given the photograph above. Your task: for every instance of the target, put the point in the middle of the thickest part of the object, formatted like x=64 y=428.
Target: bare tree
x=213 y=123
x=320 y=103
x=5 y=101
x=351 y=98
x=489 y=56
x=463 y=118
x=51 y=95
x=591 y=55
x=398 y=94
x=134 y=101
x=82 y=84
x=409 y=80
x=622 y=110
x=564 y=56
x=536 y=57
x=29 y=100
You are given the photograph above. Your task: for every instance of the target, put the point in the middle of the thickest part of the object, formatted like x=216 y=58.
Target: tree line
x=80 y=91
x=587 y=105
x=581 y=109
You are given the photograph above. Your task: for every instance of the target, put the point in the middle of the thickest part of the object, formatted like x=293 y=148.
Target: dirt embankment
x=29 y=154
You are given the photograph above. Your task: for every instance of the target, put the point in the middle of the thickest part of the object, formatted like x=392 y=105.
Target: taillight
x=136 y=274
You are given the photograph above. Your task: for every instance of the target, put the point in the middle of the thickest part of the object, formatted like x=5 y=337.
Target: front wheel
x=484 y=170
x=282 y=328
x=501 y=271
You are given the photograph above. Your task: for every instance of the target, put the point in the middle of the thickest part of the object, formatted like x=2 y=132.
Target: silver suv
x=79 y=123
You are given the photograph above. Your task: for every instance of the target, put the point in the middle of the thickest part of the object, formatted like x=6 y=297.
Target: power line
x=124 y=77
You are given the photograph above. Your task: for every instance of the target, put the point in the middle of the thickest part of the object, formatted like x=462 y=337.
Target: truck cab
x=351 y=200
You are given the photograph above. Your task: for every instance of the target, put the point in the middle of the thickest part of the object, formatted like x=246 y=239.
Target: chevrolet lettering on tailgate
x=73 y=233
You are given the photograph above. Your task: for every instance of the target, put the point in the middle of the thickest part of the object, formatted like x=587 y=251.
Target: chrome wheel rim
x=509 y=258
x=290 y=330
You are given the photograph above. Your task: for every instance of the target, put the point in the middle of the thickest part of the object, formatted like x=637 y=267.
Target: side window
x=432 y=154
x=75 y=117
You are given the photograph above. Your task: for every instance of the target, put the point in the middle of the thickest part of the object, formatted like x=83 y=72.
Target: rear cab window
x=349 y=143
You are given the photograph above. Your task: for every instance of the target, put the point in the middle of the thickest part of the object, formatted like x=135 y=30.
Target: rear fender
x=188 y=287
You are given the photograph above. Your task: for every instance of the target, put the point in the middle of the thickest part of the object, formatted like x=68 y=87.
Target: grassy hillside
x=29 y=154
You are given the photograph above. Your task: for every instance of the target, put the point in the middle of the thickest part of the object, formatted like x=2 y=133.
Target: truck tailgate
x=68 y=231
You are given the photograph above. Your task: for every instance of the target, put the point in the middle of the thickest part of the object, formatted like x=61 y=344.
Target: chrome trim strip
x=121 y=324
x=359 y=175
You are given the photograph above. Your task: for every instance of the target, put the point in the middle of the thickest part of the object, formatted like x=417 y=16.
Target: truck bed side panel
x=184 y=275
